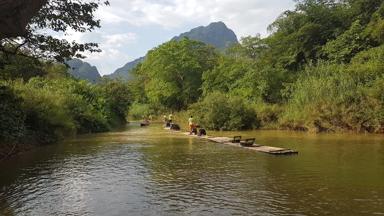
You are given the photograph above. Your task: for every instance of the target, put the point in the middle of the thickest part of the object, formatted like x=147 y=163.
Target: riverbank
x=44 y=110
x=8 y=151
x=266 y=124
x=23 y=148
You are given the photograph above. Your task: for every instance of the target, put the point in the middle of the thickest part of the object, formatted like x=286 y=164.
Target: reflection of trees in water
x=5 y=208
x=43 y=170
x=332 y=175
x=179 y=174
x=322 y=179
x=207 y=176
x=6 y=150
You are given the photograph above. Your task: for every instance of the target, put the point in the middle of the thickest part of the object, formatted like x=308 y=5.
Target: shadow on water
x=150 y=171
x=5 y=209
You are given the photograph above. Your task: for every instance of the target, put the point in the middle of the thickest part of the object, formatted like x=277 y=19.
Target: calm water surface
x=151 y=171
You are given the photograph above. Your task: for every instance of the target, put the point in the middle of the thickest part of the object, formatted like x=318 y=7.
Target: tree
x=118 y=97
x=58 y=16
x=16 y=67
x=15 y=16
x=11 y=116
x=347 y=45
x=218 y=111
x=298 y=35
x=249 y=47
x=172 y=72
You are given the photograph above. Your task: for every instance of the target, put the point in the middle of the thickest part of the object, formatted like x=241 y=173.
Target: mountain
x=83 y=70
x=216 y=34
x=123 y=72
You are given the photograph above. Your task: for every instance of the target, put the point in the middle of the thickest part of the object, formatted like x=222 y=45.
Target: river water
x=151 y=171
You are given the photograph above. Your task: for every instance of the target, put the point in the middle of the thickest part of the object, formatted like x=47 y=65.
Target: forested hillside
x=83 y=70
x=125 y=71
x=216 y=34
x=320 y=69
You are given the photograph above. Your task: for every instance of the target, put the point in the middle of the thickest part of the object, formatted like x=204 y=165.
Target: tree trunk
x=16 y=14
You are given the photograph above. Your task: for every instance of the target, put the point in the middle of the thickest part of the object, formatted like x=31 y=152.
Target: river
x=151 y=171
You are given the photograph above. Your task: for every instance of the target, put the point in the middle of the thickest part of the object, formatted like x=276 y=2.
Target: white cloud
x=112 y=47
x=246 y=17
x=118 y=40
x=131 y=27
x=113 y=52
x=108 y=60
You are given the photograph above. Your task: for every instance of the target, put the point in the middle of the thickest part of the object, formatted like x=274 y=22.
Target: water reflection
x=5 y=209
x=149 y=171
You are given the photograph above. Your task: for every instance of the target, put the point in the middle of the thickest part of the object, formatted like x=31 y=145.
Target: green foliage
x=58 y=16
x=55 y=71
x=140 y=111
x=45 y=110
x=269 y=114
x=228 y=77
x=321 y=69
x=347 y=45
x=331 y=97
x=245 y=78
x=40 y=103
x=16 y=67
x=117 y=97
x=12 y=115
x=172 y=72
x=47 y=118
x=375 y=28
x=137 y=87
x=250 y=47
x=298 y=35
x=220 y=112
x=363 y=9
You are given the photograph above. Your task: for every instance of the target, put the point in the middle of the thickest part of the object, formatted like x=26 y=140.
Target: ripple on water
x=139 y=172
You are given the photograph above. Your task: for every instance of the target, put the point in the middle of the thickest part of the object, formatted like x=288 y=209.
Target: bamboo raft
x=259 y=148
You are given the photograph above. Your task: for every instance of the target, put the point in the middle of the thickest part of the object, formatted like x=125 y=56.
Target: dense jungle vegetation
x=320 y=69
x=40 y=102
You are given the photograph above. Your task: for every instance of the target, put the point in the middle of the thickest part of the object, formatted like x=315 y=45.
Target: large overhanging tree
x=27 y=28
x=16 y=14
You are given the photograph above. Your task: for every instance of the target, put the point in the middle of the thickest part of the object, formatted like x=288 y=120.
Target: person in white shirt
x=191 y=125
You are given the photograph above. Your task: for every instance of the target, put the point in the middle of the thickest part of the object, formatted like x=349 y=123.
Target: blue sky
x=132 y=27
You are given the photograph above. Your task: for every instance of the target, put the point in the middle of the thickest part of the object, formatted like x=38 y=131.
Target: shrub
x=83 y=101
x=118 y=98
x=138 y=111
x=87 y=118
x=338 y=97
x=220 y=112
x=55 y=108
x=269 y=114
x=47 y=119
x=12 y=115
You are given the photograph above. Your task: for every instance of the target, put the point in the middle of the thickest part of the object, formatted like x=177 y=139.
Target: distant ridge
x=216 y=34
x=83 y=70
x=123 y=72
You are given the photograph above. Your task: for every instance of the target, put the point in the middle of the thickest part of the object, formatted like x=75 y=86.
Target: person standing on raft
x=191 y=125
x=170 y=118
